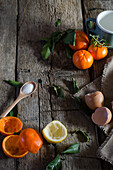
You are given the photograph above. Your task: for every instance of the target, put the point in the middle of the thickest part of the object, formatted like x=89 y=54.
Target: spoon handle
x=10 y=107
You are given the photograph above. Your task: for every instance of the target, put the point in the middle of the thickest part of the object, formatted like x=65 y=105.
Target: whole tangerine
x=82 y=59
x=81 y=41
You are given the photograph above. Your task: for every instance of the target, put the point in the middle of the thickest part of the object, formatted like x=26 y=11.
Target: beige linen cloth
x=104 y=84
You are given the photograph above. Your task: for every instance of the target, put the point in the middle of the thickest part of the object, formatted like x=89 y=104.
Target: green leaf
x=11 y=113
x=84 y=134
x=14 y=83
x=90 y=24
x=55 y=164
x=14 y=111
x=73 y=148
x=46 y=51
x=44 y=39
x=83 y=106
x=75 y=86
x=69 y=37
x=55 y=34
x=52 y=46
x=68 y=52
x=58 y=91
x=58 y=22
x=55 y=37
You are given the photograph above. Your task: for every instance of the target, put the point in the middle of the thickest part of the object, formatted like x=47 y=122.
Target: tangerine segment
x=31 y=140
x=12 y=147
x=9 y=125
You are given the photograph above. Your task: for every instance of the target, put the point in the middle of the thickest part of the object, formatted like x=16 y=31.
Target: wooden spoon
x=21 y=96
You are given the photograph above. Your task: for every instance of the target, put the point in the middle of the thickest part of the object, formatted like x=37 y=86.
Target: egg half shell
x=101 y=116
x=94 y=100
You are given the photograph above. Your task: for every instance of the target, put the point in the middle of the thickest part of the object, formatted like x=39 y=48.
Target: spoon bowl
x=20 y=97
x=25 y=94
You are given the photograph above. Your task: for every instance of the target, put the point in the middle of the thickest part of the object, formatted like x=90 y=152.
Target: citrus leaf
x=56 y=164
x=53 y=46
x=68 y=52
x=90 y=24
x=84 y=134
x=55 y=34
x=55 y=37
x=73 y=149
x=11 y=113
x=14 y=83
x=44 y=39
x=58 y=91
x=58 y=22
x=69 y=37
x=75 y=86
x=14 y=111
x=46 y=51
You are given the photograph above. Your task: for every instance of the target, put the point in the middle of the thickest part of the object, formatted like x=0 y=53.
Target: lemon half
x=54 y=132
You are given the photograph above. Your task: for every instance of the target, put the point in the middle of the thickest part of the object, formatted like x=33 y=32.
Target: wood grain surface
x=23 y=24
x=7 y=65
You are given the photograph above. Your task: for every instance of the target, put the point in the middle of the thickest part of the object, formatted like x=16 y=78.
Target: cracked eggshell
x=101 y=116
x=94 y=100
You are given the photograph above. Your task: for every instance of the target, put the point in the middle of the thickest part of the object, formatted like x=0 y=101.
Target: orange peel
x=12 y=147
x=9 y=125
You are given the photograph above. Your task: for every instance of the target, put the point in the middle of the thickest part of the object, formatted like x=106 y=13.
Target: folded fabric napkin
x=104 y=84
x=105 y=151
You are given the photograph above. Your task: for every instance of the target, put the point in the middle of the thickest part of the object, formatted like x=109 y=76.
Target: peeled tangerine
x=94 y=100
x=102 y=116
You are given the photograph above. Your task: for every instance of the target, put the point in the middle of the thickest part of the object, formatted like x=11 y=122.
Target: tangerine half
x=9 y=125
x=31 y=140
x=12 y=147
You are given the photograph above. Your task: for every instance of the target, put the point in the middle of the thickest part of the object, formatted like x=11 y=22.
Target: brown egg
x=94 y=100
x=101 y=116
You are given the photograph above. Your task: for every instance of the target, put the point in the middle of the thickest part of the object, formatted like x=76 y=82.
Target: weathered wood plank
x=31 y=67
x=44 y=92
x=81 y=163
x=7 y=65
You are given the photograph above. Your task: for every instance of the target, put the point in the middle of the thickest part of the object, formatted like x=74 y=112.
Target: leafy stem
x=58 y=91
x=68 y=37
x=99 y=42
x=56 y=164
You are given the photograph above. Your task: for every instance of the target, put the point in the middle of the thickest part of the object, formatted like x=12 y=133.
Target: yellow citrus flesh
x=54 y=132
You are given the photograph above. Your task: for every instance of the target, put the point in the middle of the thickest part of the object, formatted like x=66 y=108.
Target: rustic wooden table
x=22 y=24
